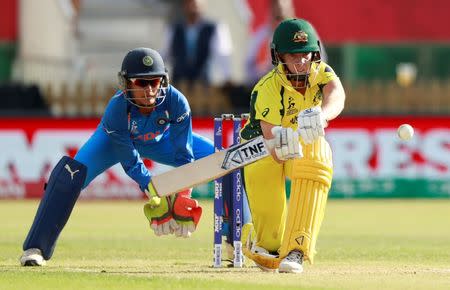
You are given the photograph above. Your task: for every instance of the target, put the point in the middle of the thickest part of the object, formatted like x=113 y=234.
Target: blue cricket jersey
x=125 y=134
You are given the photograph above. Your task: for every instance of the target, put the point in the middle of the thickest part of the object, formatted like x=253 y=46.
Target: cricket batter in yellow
x=291 y=106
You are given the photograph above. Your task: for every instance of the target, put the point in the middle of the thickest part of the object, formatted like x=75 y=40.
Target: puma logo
x=72 y=173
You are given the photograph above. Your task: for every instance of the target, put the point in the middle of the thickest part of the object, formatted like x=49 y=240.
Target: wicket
x=236 y=219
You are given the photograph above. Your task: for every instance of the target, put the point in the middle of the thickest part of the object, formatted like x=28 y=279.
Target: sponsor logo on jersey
x=182 y=117
x=148 y=136
x=109 y=131
x=265 y=112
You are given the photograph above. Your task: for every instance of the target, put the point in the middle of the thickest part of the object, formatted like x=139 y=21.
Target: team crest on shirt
x=147 y=60
x=291 y=109
x=300 y=36
x=162 y=121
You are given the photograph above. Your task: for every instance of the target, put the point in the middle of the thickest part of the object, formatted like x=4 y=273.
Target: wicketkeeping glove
x=186 y=212
x=311 y=124
x=159 y=212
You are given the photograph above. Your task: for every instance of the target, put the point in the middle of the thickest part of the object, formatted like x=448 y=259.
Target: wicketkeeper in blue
x=147 y=117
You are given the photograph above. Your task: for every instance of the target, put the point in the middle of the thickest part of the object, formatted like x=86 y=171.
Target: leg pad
x=311 y=181
x=61 y=193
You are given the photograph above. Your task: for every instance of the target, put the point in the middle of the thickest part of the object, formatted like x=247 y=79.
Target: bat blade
x=211 y=167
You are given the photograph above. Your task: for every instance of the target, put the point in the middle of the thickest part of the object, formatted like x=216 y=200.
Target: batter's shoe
x=32 y=257
x=293 y=263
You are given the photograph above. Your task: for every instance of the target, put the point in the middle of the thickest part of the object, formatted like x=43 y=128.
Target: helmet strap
x=122 y=80
x=274 y=54
x=316 y=56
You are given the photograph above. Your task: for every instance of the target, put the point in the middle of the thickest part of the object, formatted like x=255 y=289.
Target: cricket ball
x=405 y=132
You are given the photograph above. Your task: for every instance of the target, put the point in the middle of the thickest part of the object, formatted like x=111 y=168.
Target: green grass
x=364 y=244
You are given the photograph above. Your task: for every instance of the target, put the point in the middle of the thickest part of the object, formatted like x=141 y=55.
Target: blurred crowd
x=199 y=52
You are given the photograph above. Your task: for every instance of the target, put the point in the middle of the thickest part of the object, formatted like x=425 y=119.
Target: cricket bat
x=211 y=167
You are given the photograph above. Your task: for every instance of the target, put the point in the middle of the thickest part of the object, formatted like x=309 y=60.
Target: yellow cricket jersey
x=275 y=101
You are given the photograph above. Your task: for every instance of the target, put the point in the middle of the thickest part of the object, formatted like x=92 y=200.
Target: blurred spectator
x=71 y=10
x=192 y=46
x=258 y=61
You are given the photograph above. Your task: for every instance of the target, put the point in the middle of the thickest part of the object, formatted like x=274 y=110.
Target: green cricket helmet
x=294 y=35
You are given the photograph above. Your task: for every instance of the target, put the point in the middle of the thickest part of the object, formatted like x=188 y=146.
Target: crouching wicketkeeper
x=146 y=117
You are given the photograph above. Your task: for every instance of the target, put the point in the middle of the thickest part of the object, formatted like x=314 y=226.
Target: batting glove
x=311 y=124
x=186 y=212
x=285 y=143
x=159 y=212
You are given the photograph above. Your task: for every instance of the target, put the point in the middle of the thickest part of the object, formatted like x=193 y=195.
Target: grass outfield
x=364 y=244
